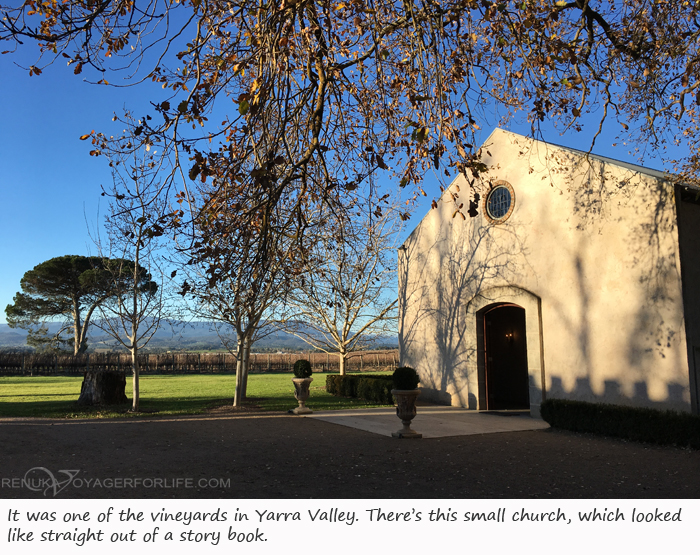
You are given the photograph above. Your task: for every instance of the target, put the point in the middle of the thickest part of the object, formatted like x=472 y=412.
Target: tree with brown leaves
x=298 y=101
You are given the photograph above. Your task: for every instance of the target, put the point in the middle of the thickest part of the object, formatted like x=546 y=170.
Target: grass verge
x=56 y=396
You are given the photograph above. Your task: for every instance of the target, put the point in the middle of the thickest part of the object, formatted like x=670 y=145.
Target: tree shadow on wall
x=447 y=262
x=437 y=279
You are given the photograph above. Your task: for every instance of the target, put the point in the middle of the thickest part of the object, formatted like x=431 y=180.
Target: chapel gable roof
x=658 y=174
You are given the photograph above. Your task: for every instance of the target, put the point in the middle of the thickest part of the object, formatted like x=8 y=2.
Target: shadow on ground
x=274 y=455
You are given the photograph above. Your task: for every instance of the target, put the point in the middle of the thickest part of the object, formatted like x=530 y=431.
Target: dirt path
x=273 y=455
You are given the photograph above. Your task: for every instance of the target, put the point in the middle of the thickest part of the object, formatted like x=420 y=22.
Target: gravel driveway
x=274 y=455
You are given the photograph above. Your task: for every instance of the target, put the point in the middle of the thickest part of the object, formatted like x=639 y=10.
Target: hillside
x=192 y=336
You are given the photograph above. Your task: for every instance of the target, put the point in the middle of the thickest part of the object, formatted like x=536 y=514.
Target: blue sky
x=50 y=186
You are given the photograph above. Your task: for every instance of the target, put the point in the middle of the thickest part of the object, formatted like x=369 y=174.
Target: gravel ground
x=274 y=455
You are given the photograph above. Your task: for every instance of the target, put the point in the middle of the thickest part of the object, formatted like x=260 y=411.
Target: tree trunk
x=238 y=398
x=341 y=362
x=135 y=379
x=103 y=388
x=76 y=326
x=246 y=366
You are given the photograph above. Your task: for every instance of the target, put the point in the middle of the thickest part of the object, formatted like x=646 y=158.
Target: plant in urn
x=302 y=382
x=405 y=393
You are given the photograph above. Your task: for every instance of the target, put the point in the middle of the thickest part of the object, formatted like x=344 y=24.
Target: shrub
x=364 y=389
x=369 y=387
x=302 y=369
x=332 y=383
x=405 y=378
x=348 y=388
x=636 y=424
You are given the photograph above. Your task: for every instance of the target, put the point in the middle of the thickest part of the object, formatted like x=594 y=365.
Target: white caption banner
x=347 y=526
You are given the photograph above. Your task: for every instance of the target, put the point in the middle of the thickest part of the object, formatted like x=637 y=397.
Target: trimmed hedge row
x=636 y=424
x=371 y=387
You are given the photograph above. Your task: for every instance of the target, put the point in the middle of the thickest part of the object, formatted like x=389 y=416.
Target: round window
x=500 y=202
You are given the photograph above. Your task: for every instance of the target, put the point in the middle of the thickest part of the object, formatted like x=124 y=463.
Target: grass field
x=55 y=397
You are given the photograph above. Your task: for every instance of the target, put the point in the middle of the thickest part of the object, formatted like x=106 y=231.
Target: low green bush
x=375 y=388
x=636 y=424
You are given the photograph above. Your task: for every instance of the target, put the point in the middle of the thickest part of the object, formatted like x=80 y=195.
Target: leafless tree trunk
x=240 y=373
x=342 y=359
x=135 y=378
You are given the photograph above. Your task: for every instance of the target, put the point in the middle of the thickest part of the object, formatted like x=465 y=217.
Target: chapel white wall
x=595 y=243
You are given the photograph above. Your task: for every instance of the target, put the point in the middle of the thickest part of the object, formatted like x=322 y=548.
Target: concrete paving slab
x=432 y=421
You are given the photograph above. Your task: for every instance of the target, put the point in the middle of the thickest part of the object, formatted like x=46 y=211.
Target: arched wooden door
x=507 y=384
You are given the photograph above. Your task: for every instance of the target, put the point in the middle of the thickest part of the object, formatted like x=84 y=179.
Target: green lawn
x=55 y=397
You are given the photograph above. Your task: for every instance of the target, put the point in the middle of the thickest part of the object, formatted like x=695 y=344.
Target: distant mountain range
x=191 y=336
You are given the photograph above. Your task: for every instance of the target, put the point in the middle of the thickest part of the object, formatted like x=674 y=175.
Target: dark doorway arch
x=506 y=377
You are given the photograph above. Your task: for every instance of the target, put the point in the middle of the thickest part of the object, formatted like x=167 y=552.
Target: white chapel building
x=578 y=279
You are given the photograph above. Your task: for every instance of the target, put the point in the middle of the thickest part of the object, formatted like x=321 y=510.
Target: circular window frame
x=494 y=187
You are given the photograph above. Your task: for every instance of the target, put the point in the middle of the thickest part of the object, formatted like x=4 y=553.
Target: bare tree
x=237 y=275
x=347 y=293
x=134 y=228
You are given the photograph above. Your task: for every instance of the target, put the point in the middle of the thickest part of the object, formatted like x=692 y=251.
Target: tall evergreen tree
x=66 y=289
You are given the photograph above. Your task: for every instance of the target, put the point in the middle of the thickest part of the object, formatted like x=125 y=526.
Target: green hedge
x=636 y=424
x=371 y=387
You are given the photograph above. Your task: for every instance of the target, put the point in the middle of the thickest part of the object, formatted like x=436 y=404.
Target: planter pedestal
x=301 y=393
x=406 y=411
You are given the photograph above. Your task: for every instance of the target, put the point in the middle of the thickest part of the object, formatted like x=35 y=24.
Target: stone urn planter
x=302 y=382
x=405 y=393
x=406 y=411
x=301 y=394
